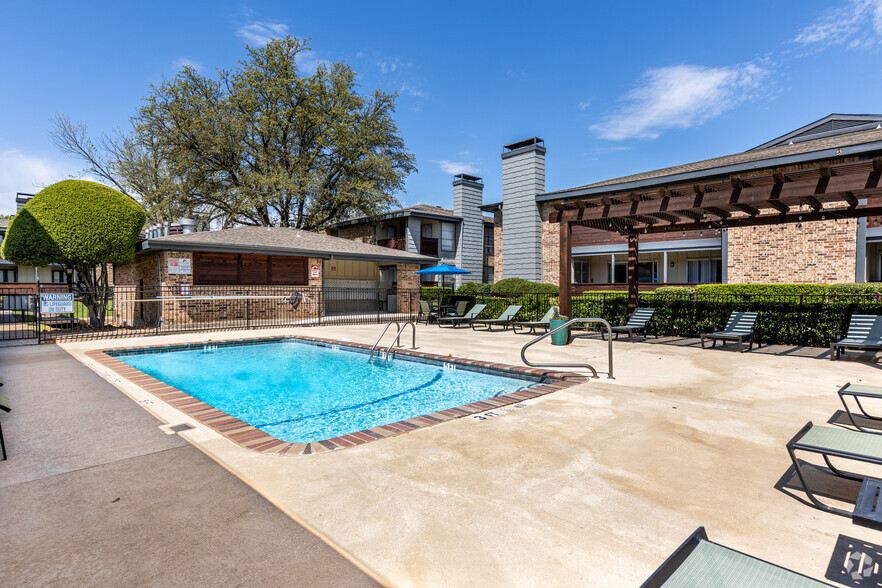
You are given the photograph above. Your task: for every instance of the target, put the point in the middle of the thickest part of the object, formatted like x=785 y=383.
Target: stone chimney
x=468 y=196
x=523 y=177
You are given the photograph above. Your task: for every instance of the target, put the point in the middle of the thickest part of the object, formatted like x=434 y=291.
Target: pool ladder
x=581 y=365
x=396 y=341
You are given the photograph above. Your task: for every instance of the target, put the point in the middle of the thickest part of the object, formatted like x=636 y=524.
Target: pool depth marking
x=252 y=438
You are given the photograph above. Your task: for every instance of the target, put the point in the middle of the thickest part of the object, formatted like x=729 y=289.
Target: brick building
x=462 y=237
x=252 y=261
x=823 y=250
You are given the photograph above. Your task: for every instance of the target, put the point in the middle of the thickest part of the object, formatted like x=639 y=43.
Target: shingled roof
x=420 y=210
x=851 y=143
x=281 y=241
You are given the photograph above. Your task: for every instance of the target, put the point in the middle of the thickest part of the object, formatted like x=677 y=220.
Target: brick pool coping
x=250 y=437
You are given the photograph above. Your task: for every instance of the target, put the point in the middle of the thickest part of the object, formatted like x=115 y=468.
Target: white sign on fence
x=56 y=303
x=178 y=265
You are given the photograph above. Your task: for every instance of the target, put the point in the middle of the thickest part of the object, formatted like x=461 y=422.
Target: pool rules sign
x=50 y=303
x=178 y=265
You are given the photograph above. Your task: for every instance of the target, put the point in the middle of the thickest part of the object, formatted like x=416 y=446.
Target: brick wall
x=550 y=246
x=813 y=252
x=497 y=245
x=362 y=233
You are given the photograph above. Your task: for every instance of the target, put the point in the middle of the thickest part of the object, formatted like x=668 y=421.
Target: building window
x=448 y=237
x=390 y=232
x=704 y=271
x=488 y=242
x=581 y=272
x=488 y=274
x=426 y=231
x=58 y=277
x=647 y=271
x=9 y=275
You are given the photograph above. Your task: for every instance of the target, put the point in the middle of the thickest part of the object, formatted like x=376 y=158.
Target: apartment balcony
x=429 y=246
x=399 y=243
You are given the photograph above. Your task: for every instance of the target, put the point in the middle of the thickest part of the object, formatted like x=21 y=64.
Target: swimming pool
x=303 y=391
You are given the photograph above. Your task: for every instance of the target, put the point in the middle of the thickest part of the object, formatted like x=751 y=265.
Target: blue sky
x=613 y=88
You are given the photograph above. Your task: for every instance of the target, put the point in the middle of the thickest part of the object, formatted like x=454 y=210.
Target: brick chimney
x=523 y=177
x=468 y=196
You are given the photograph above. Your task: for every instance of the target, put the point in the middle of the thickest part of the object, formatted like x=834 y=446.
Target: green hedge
x=473 y=289
x=521 y=286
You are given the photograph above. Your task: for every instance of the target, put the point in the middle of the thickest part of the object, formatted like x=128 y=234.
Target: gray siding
x=523 y=178
x=467 y=197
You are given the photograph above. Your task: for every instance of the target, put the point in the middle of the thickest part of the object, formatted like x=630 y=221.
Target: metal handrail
x=397 y=342
x=581 y=365
x=386 y=328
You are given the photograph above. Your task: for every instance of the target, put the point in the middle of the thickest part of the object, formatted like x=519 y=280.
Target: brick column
x=408 y=281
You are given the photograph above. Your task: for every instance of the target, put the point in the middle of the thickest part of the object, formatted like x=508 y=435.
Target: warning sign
x=178 y=265
x=315 y=271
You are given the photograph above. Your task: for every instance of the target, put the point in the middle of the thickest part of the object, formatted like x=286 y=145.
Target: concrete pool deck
x=594 y=485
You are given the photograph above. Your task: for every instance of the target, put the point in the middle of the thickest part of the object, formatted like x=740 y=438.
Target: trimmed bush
x=521 y=286
x=763 y=289
x=473 y=289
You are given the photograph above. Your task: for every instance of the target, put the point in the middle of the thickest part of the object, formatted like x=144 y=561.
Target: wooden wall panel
x=253 y=270
x=215 y=269
x=288 y=270
x=231 y=269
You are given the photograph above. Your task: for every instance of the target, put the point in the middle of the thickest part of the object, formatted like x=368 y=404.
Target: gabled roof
x=836 y=145
x=829 y=126
x=419 y=210
x=281 y=241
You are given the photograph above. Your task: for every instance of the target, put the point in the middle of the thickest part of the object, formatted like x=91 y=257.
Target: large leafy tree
x=83 y=226
x=262 y=144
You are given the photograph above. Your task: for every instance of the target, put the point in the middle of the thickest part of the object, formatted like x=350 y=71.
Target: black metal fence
x=807 y=320
x=133 y=311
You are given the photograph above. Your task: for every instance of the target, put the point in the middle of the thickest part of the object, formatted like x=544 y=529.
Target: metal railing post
x=582 y=365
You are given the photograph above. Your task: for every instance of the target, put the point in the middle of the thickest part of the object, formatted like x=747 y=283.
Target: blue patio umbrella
x=443 y=270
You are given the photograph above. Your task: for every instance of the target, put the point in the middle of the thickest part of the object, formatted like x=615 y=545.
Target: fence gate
x=19 y=316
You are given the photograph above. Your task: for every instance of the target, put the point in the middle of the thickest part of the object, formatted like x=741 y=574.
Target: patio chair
x=701 y=562
x=460 y=309
x=4 y=406
x=845 y=444
x=468 y=317
x=858 y=391
x=544 y=322
x=426 y=313
x=864 y=332
x=637 y=322
x=505 y=319
x=740 y=327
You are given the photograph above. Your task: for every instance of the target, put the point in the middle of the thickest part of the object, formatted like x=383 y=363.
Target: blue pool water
x=302 y=392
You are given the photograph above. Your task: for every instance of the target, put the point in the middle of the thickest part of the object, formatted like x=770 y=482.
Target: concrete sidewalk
x=95 y=493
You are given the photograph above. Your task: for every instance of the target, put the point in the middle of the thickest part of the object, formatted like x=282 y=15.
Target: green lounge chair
x=505 y=319
x=544 y=322
x=864 y=332
x=858 y=391
x=637 y=322
x=468 y=317
x=426 y=313
x=700 y=562
x=846 y=444
x=459 y=310
x=739 y=328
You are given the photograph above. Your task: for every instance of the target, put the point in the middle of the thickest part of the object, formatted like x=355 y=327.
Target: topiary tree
x=83 y=226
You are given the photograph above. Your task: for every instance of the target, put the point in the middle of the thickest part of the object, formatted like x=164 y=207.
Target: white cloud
x=411 y=91
x=680 y=96
x=391 y=65
x=20 y=172
x=183 y=62
x=583 y=105
x=856 y=23
x=259 y=33
x=458 y=167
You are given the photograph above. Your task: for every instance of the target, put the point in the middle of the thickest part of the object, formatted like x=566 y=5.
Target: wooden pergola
x=840 y=191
